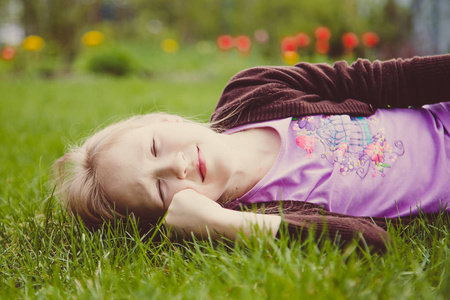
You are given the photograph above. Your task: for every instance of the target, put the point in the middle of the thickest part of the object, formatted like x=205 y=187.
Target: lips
x=201 y=164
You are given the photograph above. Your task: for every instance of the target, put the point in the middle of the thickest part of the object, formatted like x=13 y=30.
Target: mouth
x=201 y=165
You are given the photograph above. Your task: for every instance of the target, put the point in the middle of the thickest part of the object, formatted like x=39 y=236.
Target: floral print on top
x=355 y=143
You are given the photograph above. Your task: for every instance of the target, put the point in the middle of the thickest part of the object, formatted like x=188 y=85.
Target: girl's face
x=145 y=167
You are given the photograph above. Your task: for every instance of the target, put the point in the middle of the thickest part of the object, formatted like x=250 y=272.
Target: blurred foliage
x=202 y=19
x=59 y=21
x=112 y=61
x=393 y=23
x=63 y=23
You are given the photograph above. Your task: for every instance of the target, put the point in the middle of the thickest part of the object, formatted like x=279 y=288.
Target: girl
x=314 y=146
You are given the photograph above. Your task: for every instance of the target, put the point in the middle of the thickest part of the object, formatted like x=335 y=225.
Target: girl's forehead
x=124 y=190
x=121 y=166
x=135 y=133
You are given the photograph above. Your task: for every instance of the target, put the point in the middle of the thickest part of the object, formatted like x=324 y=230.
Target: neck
x=254 y=152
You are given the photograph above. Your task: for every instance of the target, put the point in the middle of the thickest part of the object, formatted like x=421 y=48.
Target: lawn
x=44 y=254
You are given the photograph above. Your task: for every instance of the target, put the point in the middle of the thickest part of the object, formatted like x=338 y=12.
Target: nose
x=179 y=165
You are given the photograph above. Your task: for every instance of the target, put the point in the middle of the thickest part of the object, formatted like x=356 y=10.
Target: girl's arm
x=192 y=213
x=356 y=89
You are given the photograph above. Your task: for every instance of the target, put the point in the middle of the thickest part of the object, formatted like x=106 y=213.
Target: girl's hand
x=191 y=212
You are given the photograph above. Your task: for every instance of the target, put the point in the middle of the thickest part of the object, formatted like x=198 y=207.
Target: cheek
x=175 y=187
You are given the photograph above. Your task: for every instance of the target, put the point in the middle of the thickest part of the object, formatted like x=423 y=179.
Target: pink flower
x=375 y=151
x=306 y=142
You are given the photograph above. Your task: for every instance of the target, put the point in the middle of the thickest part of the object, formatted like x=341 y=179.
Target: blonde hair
x=78 y=177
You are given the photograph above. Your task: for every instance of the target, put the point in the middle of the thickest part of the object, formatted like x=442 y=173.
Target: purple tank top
x=385 y=165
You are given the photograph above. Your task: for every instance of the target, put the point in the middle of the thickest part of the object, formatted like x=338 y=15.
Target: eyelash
x=159 y=181
x=160 y=191
x=154 y=148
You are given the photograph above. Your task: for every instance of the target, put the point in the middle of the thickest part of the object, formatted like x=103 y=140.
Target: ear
x=172 y=119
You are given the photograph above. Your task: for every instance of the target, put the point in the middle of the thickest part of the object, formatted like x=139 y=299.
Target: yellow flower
x=33 y=43
x=92 y=38
x=291 y=57
x=169 y=45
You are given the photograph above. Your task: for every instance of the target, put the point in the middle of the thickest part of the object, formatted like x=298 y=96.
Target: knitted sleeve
x=300 y=219
x=340 y=229
x=264 y=93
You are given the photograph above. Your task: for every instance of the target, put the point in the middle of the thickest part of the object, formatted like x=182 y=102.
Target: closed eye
x=154 y=148
x=160 y=192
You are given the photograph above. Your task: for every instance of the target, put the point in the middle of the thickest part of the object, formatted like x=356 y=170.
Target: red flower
x=350 y=40
x=8 y=53
x=225 y=42
x=370 y=39
x=244 y=43
x=288 y=44
x=322 y=33
x=303 y=40
x=322 y=47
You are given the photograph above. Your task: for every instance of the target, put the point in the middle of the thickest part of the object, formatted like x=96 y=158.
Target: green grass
x=45 y=255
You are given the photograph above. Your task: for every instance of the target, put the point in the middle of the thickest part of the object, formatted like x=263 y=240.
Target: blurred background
x=51 y=38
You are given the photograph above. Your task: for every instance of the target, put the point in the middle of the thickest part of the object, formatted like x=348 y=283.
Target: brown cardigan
x=266 y=93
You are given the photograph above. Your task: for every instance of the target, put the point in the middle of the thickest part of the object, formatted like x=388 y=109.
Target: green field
x=45 y=255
